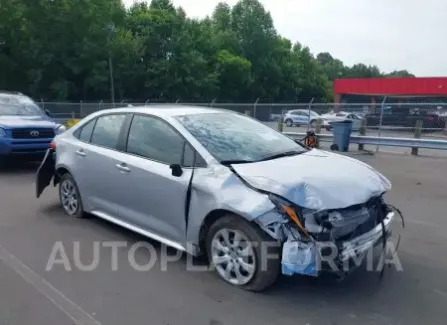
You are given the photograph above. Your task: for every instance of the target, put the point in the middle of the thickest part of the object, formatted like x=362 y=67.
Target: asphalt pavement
x=31 y=293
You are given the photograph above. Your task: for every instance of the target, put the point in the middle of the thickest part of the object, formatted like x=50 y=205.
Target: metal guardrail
x=383 y=141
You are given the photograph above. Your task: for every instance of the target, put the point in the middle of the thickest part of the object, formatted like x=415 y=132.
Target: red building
x=397 y=88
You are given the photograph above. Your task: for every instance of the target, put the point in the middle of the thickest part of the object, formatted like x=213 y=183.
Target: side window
x=154 y=139
x=107 y=130
x=188 y=157
x=85 y=133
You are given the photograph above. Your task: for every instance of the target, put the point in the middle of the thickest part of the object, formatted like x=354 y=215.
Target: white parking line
x=75 y=312
x=441 y=293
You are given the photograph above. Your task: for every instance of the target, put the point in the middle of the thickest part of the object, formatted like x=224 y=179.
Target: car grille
x=366 y=225
x=32 y=133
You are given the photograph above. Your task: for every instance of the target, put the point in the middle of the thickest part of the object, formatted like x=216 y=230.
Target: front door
x=153 y=198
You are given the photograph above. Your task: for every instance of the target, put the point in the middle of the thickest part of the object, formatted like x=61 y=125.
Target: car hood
x=316 y=179
x=26 y=121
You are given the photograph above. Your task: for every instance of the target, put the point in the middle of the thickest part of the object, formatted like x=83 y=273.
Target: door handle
x=122 y=167
x=81 y=153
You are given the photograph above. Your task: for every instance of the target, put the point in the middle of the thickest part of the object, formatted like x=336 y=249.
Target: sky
x=392 y=34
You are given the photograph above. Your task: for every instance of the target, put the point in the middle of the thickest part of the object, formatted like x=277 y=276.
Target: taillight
x=53 y=145
x=430 y=118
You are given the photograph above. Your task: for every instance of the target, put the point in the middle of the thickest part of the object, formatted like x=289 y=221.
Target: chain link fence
x=381 y=119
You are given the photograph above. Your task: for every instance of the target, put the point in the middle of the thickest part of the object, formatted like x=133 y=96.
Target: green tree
x=60 y=50
x=234 y=75
x=361 y=70
x=399 y=74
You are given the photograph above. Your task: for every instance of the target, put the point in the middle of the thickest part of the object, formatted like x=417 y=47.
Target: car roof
x=7 y=92
x=299 y=110
x=167 y=110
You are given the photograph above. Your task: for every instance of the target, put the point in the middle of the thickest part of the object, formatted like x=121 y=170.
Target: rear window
x=107 y=130
x=85 y=133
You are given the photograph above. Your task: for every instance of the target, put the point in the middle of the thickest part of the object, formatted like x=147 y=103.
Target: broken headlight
x=290 y=210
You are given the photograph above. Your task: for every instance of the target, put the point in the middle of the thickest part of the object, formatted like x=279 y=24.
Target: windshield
x=234 y=137
x=18 y=105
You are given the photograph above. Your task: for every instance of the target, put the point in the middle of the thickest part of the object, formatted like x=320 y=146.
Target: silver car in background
x=215 y=182
x=300 y=117
x=356 y=118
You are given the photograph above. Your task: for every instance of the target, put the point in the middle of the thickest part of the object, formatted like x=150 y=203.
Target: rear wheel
x=69 y=196
x=242 y=254
x=313 y=123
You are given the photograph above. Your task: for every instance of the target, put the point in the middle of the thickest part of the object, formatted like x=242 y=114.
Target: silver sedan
x=217 y=183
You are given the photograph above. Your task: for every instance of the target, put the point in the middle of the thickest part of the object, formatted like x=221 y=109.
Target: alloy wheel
x=69 y=197
x=233 y=256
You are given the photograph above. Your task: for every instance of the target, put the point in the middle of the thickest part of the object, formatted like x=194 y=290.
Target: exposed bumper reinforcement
x=305 y=258
x=364 y=242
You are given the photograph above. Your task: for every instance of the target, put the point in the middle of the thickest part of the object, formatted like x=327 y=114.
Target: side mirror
x=48 y=112
x=177 y=170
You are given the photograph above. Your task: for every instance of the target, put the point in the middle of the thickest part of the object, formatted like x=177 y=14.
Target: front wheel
x=289 y=123
x=242 y=254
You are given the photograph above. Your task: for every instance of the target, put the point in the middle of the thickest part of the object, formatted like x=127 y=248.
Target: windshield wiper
x=283 y=154
x=278 y=155
x=232 y=162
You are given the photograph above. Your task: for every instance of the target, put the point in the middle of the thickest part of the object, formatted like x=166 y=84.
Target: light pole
x=111 y=29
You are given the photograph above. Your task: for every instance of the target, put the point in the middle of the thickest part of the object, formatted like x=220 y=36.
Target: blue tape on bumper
x=302 y=258
x=299 y=258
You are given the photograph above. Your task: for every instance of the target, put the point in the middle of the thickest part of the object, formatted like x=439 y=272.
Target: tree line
x=73 y=49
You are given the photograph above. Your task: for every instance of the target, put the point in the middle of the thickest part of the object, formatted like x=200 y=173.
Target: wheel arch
x=208 y=221
x=60 y=170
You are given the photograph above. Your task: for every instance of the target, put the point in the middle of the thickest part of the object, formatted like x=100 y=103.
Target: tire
x=313 y=123
x=328 y=128
x=334 y=147
x=261 y=275
x=68 y=190
x=289 y=123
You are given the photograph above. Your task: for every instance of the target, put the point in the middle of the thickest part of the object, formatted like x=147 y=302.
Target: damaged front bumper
x=313 y=258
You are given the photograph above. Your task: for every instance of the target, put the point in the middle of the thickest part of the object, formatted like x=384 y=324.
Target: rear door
x=94 y=165
x=291 y=115
x=154 y=199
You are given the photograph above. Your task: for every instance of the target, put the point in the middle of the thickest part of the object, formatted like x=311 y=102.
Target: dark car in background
x=406 y=118
x=26 y=130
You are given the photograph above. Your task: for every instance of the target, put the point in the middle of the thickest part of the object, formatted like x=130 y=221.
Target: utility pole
x=111 y=29
x=112 y=83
